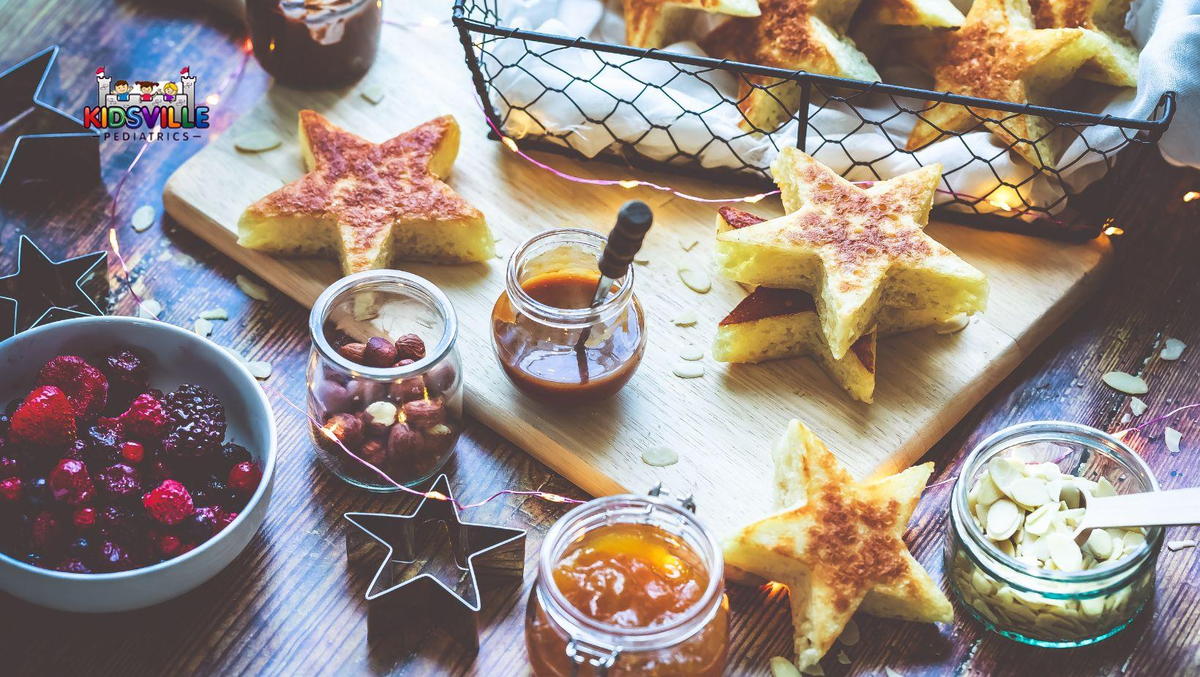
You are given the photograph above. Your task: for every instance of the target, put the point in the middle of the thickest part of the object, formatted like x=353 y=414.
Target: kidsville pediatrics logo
x=146 y=110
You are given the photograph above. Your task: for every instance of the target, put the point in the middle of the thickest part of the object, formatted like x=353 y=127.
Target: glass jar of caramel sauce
x=315 y=44
x=550 y=342
x=628 y=585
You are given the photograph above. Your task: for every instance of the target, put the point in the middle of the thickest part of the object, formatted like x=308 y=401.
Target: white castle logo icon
x=166 y=94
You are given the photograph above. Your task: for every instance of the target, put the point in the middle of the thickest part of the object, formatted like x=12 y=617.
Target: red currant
x=133 y=452
x=244 y=477
x=84 y=518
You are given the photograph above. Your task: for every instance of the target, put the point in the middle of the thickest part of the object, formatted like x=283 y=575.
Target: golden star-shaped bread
x=370 y=204
x=855 y=249
x=658 y=23
x=837 y=542
x=1116 y=59
x=931 y=13
x=804 y=35
x=998 y=54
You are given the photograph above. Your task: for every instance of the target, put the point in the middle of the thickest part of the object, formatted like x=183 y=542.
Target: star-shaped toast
x=806 y=35
x=999 y=54
x=836 y=544
x=855 y=249
x=658 y=23
x=370 y=204
x=1116 y=59
x=931 y=13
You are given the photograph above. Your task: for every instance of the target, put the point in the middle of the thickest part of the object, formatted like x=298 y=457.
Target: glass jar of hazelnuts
x=384 y=379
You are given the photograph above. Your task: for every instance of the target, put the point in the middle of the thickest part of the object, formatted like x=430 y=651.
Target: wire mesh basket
x=652 y=109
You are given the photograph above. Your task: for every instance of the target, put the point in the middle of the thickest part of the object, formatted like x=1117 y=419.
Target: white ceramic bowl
x=176 y=356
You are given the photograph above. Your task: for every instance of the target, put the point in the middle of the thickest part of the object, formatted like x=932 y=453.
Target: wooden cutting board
x=722 y=424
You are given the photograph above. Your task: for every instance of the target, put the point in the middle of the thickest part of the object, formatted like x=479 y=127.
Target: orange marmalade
x=628 y=598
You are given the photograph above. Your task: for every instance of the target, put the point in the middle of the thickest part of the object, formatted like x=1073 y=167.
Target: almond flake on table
x=149 y=309
x=1181 y=544
x=641 y=259
x=260 y=370
x=685 y=319
x=1137 y=406
x=252 y=289
x=850 y=634
x=688 y=243
x=143 y=218
x=688 y=370
x=843 y=658
x=215 y=314
x=373 y=92
x=203 y=327
x=815 y=670
x=782 y=667
x=660 y=457
x=257 y=141
x=691 y=353
x=1172 y=437
x=696 y=280
x=1126 y=383
x=1172 y=349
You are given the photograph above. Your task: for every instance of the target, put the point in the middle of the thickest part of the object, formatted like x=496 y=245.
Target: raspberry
x=84 y=519
x=168 y=545
x=244 y=477
x=113 y=557
x=146 y=419
x=71 y=483
x=73 y=565
x=197 y=420
x=120 y=482
x=169 y=503
x=133 y=452
x=10 y=489
x=127 y=374
x=83 y=384
x=44 y=418
x=45 y=532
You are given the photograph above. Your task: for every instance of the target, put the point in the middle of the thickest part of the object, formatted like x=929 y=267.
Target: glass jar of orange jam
x=628 y=585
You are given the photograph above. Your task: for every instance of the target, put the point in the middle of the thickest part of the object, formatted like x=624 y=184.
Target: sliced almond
x=215 y=314
x=1172 y=437
x=641 y=259
x=696 y=280
x=1137 y=406
x=691 y=353
x=1063 y=552
x=1003 y=518
x=149 y=309
x=1172 y=349
x=1181 y=544
x=252 y=289
x=1029 y=492
x=660 y=457
x=850 y=634
x=1100 y=543
x=203 y=327
x=143 y=218
x=257 y=140
x=260 y=370
x=373 y=92
x=1126 y=383
x=782 y=667
x=688 y=370
x=686 y=318
x=1005 y=470
x=843 y=658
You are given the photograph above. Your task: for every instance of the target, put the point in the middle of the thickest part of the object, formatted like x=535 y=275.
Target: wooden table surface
x=287 y=604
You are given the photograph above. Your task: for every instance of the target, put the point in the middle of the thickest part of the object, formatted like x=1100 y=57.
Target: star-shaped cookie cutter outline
x=61 y=287
x=61 y=150
x=490 y=549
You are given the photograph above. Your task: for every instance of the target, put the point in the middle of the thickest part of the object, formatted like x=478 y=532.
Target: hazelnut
x=407 y=389
x=441 y=379
x=440 y=438
x=424 y=413
x=333 y=397
x=346 y=428
x=374 y=452
x=355 y=352
x=364 y=391
x=404 y=441
x=378 y=417
x=410 y=347
x=379 y=352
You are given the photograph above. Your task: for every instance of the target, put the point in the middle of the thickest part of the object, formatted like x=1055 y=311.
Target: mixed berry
x=100 y=473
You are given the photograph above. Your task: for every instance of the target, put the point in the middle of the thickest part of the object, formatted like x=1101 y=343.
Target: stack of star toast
x=1020 y=51
x=837 y=544
x=845 y=263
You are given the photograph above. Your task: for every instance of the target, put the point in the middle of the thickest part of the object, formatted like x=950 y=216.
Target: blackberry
x=127 y=375
x=104 y=445
x=201 y=525
x=37 y=493
x=197 y=422
x=80 y=547
x=120 y=523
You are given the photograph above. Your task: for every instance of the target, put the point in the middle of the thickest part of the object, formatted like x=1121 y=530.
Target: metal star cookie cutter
x=41 y=145
x=413 y=588
x=44 y=291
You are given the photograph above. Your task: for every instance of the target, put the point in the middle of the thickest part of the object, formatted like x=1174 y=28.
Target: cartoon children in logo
x=147 y=89
x=121 y=88
x=169 y=91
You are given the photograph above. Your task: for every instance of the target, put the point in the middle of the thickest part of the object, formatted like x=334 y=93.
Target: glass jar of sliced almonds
x=1011 y=552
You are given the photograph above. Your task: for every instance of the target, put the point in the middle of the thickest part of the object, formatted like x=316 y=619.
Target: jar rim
x=432 y=293
x=568 y=317
x=1079 y=434
x=606 y=634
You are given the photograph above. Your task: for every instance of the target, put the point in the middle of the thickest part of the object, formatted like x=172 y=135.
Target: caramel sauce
x=567 y=366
